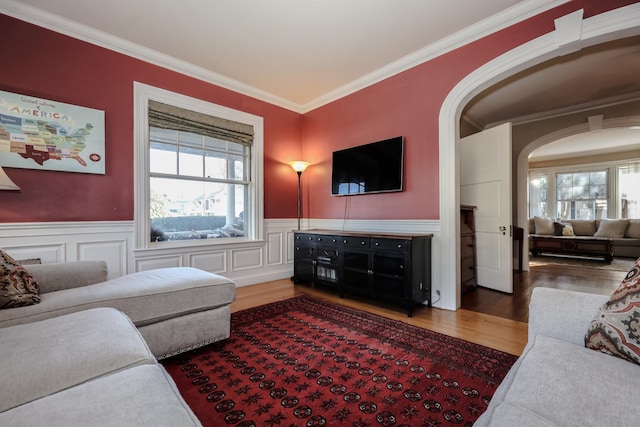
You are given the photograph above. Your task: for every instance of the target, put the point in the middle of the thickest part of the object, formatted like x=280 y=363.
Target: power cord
x=437 y=293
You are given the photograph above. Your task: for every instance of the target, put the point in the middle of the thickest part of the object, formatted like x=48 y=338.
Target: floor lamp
x=299 y=167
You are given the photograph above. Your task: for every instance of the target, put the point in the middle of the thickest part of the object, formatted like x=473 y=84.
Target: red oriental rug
x=308 y=362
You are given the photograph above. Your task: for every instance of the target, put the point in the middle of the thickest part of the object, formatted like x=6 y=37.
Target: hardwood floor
x=516 y=306
x=503 y=334
x=487 y=317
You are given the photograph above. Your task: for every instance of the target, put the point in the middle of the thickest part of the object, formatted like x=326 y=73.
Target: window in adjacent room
x=582 y=195
x=538 y=184
x=200 y=176
x=628 y=190
x=590 y=191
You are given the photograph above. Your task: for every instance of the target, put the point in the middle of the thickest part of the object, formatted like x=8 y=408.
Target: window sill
x=200 y=245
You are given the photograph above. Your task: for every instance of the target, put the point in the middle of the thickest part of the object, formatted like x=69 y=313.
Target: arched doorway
x=523 y=161
x=600 y=28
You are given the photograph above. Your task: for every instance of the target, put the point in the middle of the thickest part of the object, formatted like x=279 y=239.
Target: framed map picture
x=37 y=133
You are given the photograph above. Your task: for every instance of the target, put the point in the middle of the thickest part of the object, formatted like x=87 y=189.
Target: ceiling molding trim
x=572 y=109
x=511 y=16
x=568 y=30
x=595 y=122
x=96 y=37
x=613 y=123
x=504 y=19
x=616 y=122
x=472 y=120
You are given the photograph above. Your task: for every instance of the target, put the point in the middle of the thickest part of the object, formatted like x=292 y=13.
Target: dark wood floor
x=516 y=306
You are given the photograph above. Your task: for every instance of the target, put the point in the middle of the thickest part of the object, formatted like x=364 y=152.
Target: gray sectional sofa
x=175 y=309
x=557 y=381
x=86 y=353
x=88 y=368
x=624 y=233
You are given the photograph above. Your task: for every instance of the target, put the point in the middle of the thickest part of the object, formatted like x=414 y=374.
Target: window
x=628 y=190
x=606 y=190
x=199 y=171
x=582 y=195
x=538 y=194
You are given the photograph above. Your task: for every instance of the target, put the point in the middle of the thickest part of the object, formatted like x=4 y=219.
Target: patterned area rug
x=308 y=362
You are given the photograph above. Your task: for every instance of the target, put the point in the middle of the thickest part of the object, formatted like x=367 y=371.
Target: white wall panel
x=245 y=259
x=214 y=262
x=159 y=262
x=274 y=248
x=45 y=253
x=71 y=241
x=113 y=252
x=245 y=263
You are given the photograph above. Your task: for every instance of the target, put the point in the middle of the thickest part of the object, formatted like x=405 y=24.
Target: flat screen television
x=370 y=168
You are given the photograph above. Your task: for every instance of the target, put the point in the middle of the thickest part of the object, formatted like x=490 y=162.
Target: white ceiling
x=608 y=73
x=296 y=50
x=591 y=143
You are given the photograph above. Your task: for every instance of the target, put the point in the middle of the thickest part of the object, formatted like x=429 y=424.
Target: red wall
x=45 y=64
x=407 y=104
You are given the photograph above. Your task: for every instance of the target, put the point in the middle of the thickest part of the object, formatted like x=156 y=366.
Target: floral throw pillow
x=616 y=328
x=17 y=286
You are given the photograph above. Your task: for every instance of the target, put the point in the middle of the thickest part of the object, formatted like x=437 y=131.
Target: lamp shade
x=299 y=166
x=6 y=183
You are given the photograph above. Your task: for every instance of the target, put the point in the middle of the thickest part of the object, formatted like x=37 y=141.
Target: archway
x=607 y=26
x=523 y=163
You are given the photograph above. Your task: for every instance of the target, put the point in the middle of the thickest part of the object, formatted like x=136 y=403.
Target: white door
x=485 y=182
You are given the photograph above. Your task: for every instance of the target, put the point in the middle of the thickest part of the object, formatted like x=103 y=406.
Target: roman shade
x=166 y=116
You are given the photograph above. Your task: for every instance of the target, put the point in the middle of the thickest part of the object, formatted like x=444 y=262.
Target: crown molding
x=504 y=19
x=91 y=35
x=513 y=15
x=572 y=109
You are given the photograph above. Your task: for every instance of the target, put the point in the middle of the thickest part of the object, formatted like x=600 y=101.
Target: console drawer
x=390 y=244
x=467 y=246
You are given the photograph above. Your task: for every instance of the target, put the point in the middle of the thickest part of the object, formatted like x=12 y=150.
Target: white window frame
x=613 y=208
x=253 y=224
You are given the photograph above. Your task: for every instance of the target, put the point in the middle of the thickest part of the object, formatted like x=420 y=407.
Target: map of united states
x=42 y=140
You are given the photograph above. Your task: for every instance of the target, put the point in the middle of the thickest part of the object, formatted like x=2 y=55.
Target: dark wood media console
x=388 y=267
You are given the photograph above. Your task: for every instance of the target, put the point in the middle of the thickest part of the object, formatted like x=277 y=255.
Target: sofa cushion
x=146 y=297
x=582 y=227
x=544 y=226
x=562 y=229
x=17 y=287
x=138 y=396
x=562 y=384
x=612 y=228
x=67 y=275
x=633 y=229
x=567 y=230
x=626 y=241
x=615 y=330
x=41 y=358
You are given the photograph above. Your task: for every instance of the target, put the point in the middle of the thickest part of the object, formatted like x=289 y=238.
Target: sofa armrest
x=562 y=314
x=67 y=275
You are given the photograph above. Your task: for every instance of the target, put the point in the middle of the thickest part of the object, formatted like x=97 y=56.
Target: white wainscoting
x=245 y=263
x=71 y=241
